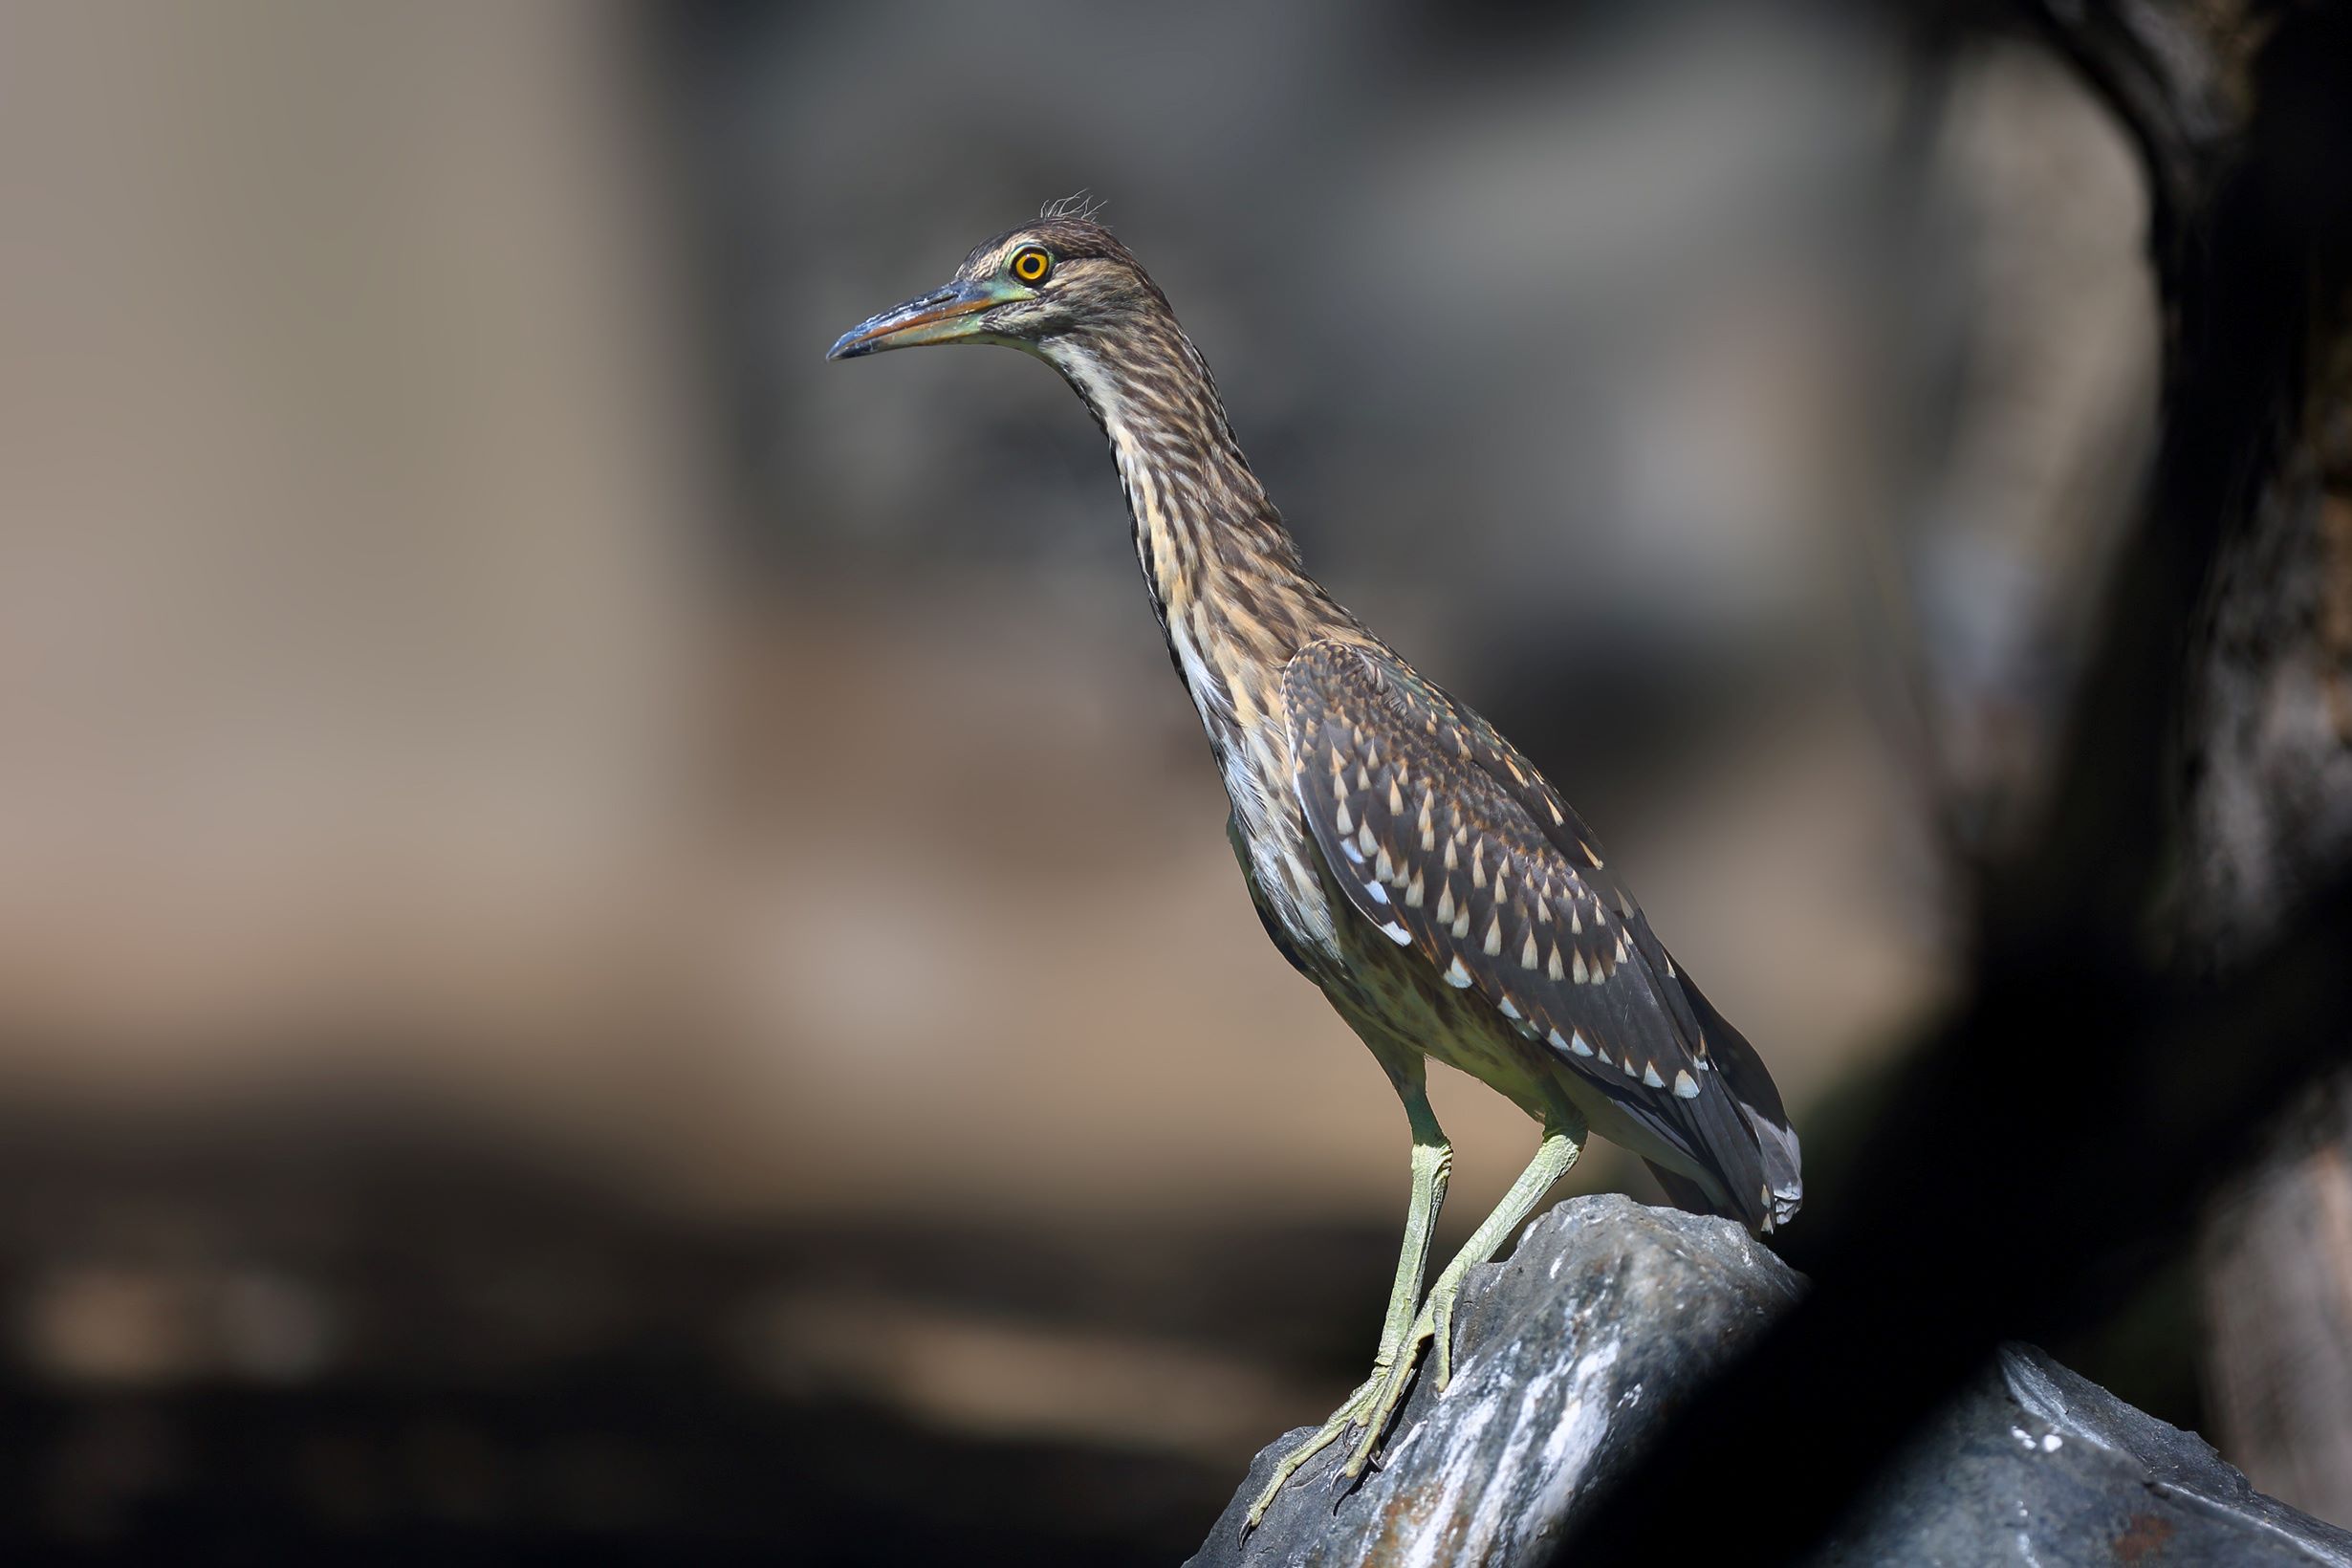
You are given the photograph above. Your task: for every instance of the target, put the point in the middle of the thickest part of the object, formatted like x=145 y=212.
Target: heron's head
x=1037 y=288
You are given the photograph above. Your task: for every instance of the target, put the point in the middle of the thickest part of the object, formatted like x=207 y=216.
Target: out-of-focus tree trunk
x=2267 y=791
x=2277 y=1282
x=2271 y=811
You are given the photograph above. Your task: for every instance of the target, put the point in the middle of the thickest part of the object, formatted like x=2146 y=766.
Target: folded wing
x=1454 y=846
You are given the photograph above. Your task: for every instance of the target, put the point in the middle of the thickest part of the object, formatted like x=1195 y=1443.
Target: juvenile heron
x=1402 y=856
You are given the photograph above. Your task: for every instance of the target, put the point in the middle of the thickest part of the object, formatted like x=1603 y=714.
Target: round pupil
x=1030 y=266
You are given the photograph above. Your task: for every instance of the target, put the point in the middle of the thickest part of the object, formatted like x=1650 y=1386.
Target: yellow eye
x=1031 y=264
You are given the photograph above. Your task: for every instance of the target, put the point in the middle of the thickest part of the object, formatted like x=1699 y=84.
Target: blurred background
x=615 y=940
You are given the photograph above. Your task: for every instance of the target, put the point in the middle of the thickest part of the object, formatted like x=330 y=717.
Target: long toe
x=1383 y=1408
x=1346 y=1416
x=1440 y=1343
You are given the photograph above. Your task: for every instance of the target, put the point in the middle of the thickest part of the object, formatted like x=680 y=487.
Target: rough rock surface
x=2033 y=1465
x=1607 y=1317
x=1549 y=1394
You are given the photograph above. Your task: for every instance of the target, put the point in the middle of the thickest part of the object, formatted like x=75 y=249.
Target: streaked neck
x=1223 y=572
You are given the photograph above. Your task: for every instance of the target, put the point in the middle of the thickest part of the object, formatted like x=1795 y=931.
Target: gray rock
x=1551 y=1394
x=2035 y=1466
x=1607 y=1317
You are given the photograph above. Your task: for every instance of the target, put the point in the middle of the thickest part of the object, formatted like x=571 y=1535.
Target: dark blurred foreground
x=383 y=1342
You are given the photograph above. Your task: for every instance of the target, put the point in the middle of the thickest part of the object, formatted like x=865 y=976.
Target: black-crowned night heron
x=1403 y=856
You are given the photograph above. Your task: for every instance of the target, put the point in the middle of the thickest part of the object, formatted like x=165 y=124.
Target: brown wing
x=1449 y=842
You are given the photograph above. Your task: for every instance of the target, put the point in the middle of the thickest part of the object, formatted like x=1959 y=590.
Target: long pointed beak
x=941 y=317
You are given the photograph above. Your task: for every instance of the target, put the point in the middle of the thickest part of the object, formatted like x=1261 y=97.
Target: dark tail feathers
x=1759 y=1103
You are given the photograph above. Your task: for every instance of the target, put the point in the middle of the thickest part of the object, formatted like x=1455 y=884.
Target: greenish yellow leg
x=1563 y=1142
x=1432 y=1163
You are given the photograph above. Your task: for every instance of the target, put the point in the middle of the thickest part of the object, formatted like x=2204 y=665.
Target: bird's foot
x=1351 y=1411
x=1434 y=1327
x=1374 y=1403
